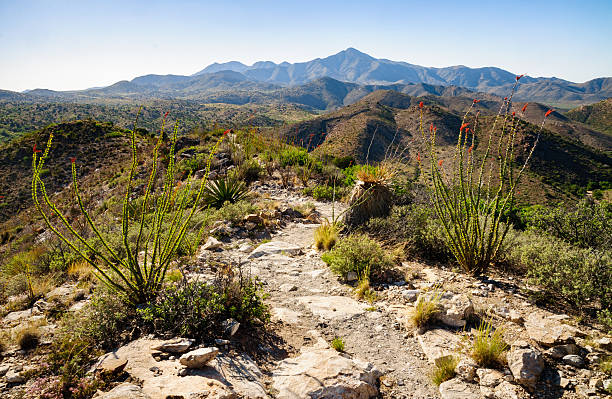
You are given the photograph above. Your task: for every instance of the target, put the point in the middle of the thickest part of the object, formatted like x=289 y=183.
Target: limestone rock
x=14 y=377
x=526 y=363
x=176 y=345
x=573 y=360
x=351 y=276
x=333 y=307
x=230 y=327
x=275 y=247
x=288 y=287
x=507 y=390
x=466 y=369
x=211 y=244
x=324 y=373
x=439 y=343
x=489 y=378
x=198 y=358
x=111 y=363
x=123 y=391
x=457 y=389
x=548 y=330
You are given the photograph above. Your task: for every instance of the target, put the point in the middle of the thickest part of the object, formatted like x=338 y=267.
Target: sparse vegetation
x=444 y=369
x=489 y=347
x=326 y=235
x=338 y=344
x=27 y=337
x=425 y=310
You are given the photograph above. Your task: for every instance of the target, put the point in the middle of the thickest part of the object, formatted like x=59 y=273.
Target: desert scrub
x=357 y=253
x=579 y=275
x=415 y=226
x=234 y=213
x=471 y=195
x=488 y=347
x=326 y=235
x=322 y=192
x=338 y=344
x=197 y=309
x=134 y=280
x=444 y=369
x=425 y=310
x=292 y=156
x=27 y=337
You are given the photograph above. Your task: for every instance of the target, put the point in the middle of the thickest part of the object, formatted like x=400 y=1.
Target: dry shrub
x=368 y=200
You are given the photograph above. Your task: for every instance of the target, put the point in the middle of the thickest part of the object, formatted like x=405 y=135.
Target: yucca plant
x=162 y=222
x=228 y=189
x=470 y=201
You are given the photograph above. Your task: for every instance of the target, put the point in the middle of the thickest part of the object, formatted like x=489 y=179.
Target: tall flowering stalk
x=470 y=201
x=161 y=223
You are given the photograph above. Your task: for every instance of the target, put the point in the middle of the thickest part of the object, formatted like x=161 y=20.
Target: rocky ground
x=549 y=357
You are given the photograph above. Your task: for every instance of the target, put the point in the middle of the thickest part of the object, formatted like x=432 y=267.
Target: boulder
x=211 y=244
x=548 y=330
x=458 y=389
x=123 y=391
x=573 y=360
x=176 y=345
x=324 y=373
x=526 y=363
x=14 y=377
x=273 y=248
x=198 y=358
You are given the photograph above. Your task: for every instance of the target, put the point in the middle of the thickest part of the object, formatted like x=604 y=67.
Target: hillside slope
x=598 y=116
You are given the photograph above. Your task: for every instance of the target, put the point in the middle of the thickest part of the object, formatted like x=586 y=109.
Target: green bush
x=350 y=173
x=322 y=192
x=293 y=156
x=234 y=213
x=417 y=227
x=577 y=274
x=588 y=225
x=357 y=253
x=198 y=309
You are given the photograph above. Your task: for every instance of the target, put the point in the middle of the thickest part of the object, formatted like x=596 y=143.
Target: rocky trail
x=549 y=355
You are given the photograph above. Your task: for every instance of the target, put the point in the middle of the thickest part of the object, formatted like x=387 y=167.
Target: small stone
x=466 y=369
x=4 y=369
x=288 y=287
x=230 y=327
x=198 y=358
x=573 y=360
x=605 y=343
x=211 y=244
x=526 y=363
x=607 y=384
x=177 y=345
x=182 y=372
x=351 y=276
x=564 y=383
x=596 y=383
x=489 y=378
x=219 y=341
x=515 y=317
x=410 y=295
x=14 y=377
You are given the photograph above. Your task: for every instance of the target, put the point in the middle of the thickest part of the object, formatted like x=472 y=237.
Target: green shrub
x=350 y=173
x=229 y=189
x=197 y=309
x=292 y=156
x=249 y=171
x=234 y=213
x=588 y=225
x=338 y=344
x=357 y=253
x=444 y=369
x=415 y=226
x=577 y=274
x=322 y=192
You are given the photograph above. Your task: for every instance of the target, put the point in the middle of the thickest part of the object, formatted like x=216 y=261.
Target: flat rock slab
x=221 y=379
x=549 y=330
x=123 y=391
x=333 y=307
x=176 y=345
x=285 y=315
x=324 y=373
x=457 y=389
x=439 y=343
x=275 y=247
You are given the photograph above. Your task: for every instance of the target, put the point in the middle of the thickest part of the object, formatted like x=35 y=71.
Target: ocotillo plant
x=161 y=224
x=469 y=201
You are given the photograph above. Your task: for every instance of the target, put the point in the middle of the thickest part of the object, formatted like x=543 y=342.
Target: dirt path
x=305 y=295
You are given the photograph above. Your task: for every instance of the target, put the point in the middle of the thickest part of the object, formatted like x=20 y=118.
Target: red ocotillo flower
x=505 y=98
x=550 y=111
x=476 y=101
x=513 y=113
x=440 y=162
x=166 y=114
x=470 y=149
x=419 y=156
x=72 y=159
x=431 y=127
x=435 y=129
x=35 y=149
x=524 y=107
x=226 y=132
x=519 y=76
x=1 y=196
x=463 y=126
x=467 y=129
x=421 y=104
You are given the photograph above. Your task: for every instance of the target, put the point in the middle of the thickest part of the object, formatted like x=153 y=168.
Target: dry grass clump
x=363 y=291
x=605 y=365
x=28 y=338
x=338 y=344
x=371 y=197
x=444 y=369
x=489 y=346
x=81 y=270
x=425 y=310
x=326 y=236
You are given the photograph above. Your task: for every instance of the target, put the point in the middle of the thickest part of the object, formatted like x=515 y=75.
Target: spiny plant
x=162 y=223
x=228 y=189
x=470 y=202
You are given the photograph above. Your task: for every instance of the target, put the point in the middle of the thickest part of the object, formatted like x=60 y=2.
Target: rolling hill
x=597 y=116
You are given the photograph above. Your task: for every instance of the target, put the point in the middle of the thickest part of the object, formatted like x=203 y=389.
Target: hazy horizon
x=68 y=45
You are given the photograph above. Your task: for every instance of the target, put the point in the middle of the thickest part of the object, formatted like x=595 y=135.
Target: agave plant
x=228 y=189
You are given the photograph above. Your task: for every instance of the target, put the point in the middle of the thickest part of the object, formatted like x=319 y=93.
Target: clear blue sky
x=63 y=45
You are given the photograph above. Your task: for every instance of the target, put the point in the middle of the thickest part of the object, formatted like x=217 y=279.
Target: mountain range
x=353 y=74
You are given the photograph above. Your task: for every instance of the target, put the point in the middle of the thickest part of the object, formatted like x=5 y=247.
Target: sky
x=69 y=45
